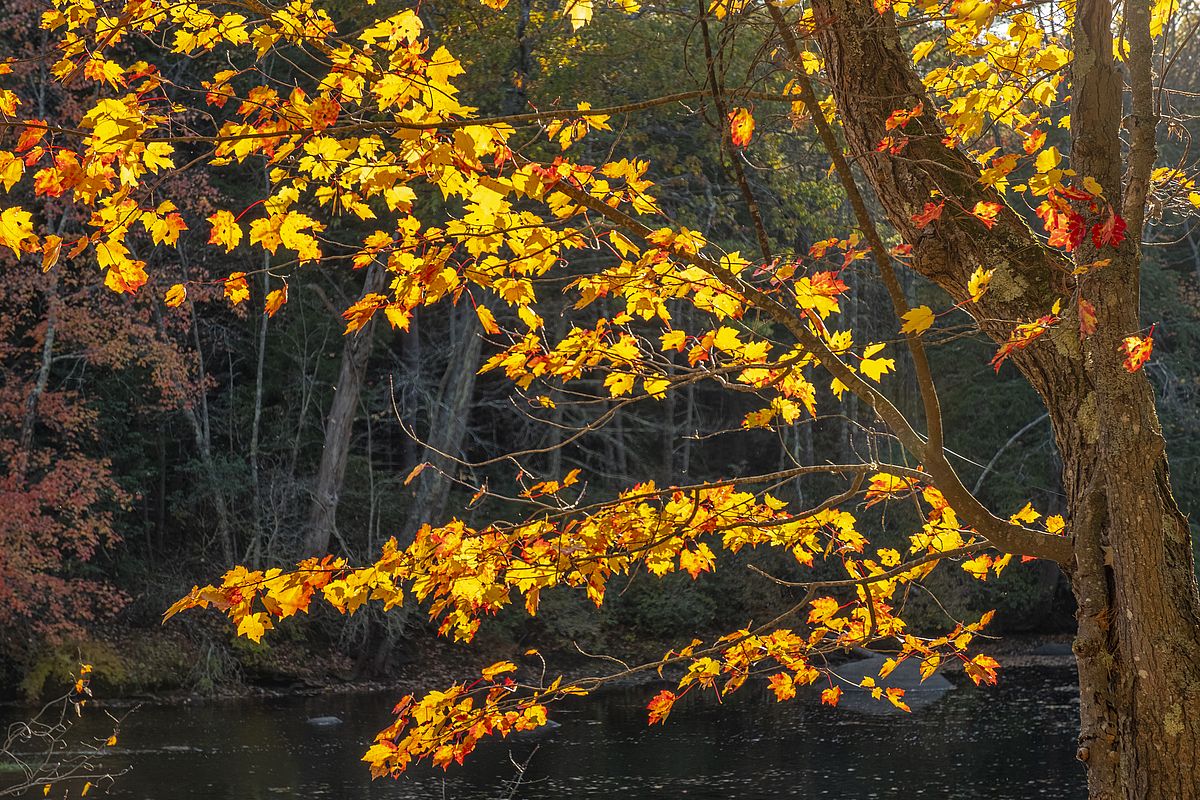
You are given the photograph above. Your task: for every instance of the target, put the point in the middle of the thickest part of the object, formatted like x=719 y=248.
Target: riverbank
x=192 y=664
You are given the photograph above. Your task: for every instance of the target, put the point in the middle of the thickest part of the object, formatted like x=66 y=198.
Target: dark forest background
x=146 y=449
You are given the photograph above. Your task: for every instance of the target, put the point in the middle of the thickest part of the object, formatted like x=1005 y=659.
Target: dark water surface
x=1011 y=742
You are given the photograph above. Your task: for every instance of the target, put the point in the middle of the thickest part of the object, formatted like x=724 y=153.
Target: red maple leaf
x=1110 y=232
x=928 y=214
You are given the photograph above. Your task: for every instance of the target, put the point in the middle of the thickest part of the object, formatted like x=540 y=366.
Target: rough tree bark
x=322 y=517
x=1138 y=645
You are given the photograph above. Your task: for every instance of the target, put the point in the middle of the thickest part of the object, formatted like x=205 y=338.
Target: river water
x=1015 y=741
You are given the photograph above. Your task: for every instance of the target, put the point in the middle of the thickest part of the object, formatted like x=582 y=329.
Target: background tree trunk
x=339 y=427
x=447 y=423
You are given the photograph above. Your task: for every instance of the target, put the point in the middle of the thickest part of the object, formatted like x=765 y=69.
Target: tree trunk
x=1138 y=641
x=447 y=424
x=1138 y=644
x=197 y=415
x=356 y=349
x=29 y=421
x=668 y=435
x=254 y=549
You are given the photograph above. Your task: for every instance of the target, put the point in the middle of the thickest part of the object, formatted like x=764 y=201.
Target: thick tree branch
x=1002 y=534
x=1143 y=121
x=871 y=75
x=879 y=251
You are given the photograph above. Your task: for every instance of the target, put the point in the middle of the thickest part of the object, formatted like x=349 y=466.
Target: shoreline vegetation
x=135 y=668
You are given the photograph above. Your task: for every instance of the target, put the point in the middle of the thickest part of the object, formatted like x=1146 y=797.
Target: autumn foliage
x=377 y=126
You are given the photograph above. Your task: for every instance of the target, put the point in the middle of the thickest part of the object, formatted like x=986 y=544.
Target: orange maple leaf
x=1024 y=335
x=741 y=126
x=360 y=313
x=660 y=706
x=783 y=686
x=1137 y=350
x=487 y=319
x=987 y=213
x=1087 y=318
x=902 y=116
x=982 y=669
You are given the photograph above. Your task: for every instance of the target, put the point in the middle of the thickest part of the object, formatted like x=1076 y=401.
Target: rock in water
x=537 y=734
x=906 y=676
x=324 y=722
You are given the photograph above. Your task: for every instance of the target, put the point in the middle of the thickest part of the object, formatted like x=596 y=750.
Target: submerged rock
x=537 y=734
x=323 y=722
x=906 y=676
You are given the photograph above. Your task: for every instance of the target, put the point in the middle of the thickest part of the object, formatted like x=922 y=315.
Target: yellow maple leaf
x=265 y=232
x=619 y=383
x=275 y=300
x=580 y=13
x=225 y=230
x=875 y=368
x=822 y=609
x=1048 y=159
x=978 y=566
x=917 y=320
x=11 y=170
x=253 y=626
x=176 y=295
x=487 y=319
x=656 y=387
x=978 y=284
x=726 y=339
x=165 y=229
x=1025 y=516
x=673 y=340
x=922 y=50
x=499 y=668
x=16 y=228
x=294 y=234
x=237 y=290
